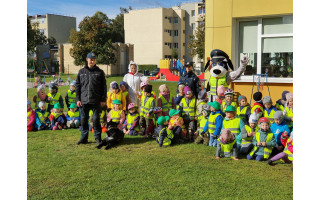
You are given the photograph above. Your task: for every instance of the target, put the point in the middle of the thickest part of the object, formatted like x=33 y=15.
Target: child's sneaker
x=269 y=162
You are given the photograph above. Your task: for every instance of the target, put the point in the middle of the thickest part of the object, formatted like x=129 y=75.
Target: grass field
x=139 y=169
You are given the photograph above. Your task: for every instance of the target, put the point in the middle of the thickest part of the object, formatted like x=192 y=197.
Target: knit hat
x=162 y=119
x=124 y=83
x=186 y=89
x=202 y=94
x=257 y=96
x=216 y=105
x=266 y=99
x=73 y=83
x=226 y=135
x=241 y=97
x=116 y=101
x=220 y=90
x=283 y=95
x=278 y=115
x=28 y=102
x=73 y=105
x=230 y=108
x=115 y=86
x=56 y=106
x=41 y=87
x=253 y=118
x=41 y=103
x=148 y=89
x=173 y=112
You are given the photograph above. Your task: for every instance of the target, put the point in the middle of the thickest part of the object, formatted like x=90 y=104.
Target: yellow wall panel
x=222 y=13
x=209 y=15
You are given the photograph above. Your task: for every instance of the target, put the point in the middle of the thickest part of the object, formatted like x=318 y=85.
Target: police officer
x=190 y=79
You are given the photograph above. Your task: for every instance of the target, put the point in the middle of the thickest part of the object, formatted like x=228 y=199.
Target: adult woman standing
x=134 y=78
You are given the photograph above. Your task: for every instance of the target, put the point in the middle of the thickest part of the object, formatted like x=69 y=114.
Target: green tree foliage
x=117 y=25
x=174 y=53
x=196 y=43
x=94 y=35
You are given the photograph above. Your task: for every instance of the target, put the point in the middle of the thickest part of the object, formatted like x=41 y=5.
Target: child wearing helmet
x=227 y=146
x=258 y=105
x=263 y=141
x=54 y=97
x=176 y=124
x=203 y=136
x=243 y=111
x=73 y=117
x=116 y=114
x=228 y=100
x=278 y=128
x=180 y=94
x=165 y=99
x=42 y=117
x=125 y=91
x=146 y=112
x=164 y=135
x=131 y=125
x=30 y=117
x=70 y=96
x=116 y=93
x=269 y=109
x=57 y=118
x=247 y=133
x=41 y=95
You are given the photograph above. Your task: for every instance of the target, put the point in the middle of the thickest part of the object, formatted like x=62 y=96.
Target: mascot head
x=219 y=63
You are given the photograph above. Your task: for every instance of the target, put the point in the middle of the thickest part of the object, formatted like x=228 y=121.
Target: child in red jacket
x=57 y=118
x=287 y=154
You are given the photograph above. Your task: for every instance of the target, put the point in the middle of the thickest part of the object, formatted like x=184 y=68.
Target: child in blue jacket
x=42 y=117
x=277 y=128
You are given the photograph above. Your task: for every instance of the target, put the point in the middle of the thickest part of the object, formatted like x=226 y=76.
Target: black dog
x=114 y=136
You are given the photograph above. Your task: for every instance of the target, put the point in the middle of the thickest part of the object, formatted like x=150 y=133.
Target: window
x=268 y=42
x=193 y=26
x=201 y=10
x=184 y=44
x=168 y=44
x=175 y=32
x=184 y=31
x=175 y=20
x=193 y=13
x=170 y=19
x=167 y=56
x=175 y=45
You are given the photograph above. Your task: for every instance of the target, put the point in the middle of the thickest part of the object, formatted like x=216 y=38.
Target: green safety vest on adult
x=43 y=117
x=216 y=82
x=224 y=106
x=242 y=113
x=289 y=113
x=28 y=116
x=255 y=107
x=212 y=122
x=233 y=125
x=168 y=138
x=226 y=149
x=266 y=150
x=115 y=115
x=188 y=110
x=130 y=120
x=165 y=104
x=54 y=99
x=73 y=114
x=286 y=150
x=145 y=107
x=248 y=140
x=56 y=115
x=269 y=116
x=71 y=97
x=200 y=115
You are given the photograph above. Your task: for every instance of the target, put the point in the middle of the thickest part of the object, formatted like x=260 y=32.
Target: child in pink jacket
x=287 y=154
x=30 y=117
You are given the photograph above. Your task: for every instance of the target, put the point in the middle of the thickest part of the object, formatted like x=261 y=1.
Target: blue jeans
x=212 y=141
x=84 y=112
x=256 y=157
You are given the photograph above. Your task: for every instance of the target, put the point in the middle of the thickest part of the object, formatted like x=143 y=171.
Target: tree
x=174 y=53
x=196 y=43
x=117 y=25
x=94 y=35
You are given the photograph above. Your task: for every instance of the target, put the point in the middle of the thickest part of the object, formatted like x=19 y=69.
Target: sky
x=82 y=8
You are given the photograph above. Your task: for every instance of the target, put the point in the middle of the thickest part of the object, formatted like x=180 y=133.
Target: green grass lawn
x=139 y=169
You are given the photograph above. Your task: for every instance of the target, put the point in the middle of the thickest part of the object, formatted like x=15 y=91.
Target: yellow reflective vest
x=167 y=139
x=224 y=106
x=145 y=107
x=216 y=82
x=242 y=113
x=28 y=115
x=54 y=99
x=73 y=114
x=102 y=114
x=226 y=149
x=233 y=125
x=289 y=113
x=115 y=115
x=269 y=116
x=286 y=150
x=203 y=122
x=248 y=140
x=56 y=115
x=198 y=114
x=255 y=107
x=71 y=97
x=189 y=110
x=266 y=150
x=166 y=106
x=212 y=122
x=130 y=120
x=43 y=117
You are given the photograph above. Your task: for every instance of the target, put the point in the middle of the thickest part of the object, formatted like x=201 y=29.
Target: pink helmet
x=228 y=91
x=145 y=83
x=131 y=105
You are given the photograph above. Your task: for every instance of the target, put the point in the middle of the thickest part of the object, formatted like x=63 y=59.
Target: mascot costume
x=219 y=66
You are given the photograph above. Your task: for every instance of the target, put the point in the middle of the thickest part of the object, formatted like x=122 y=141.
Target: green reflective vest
x=226 y=149
x=266 y=150
x=54 y=99
x=43 y=117
x=212 y=122
x=233 y=125
x=166 y=106
x=145 y=107
x=189 y=110
x=224 y=106
x=130 y=120
x=168 y=138
x=216 y=82
x=242 y=113
x=270 y=116
x=71 y=97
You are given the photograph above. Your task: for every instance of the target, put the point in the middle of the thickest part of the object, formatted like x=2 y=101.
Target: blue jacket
x=219 y=121
x=270 y=109
x=38 y=123
x=277 y=130
x=70 y=118
x=177 y=99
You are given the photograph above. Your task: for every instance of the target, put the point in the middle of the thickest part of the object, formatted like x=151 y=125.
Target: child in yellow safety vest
x=269 y=109
x=201 y=101
x=247 y=133
x=263 y=141
x=287 y=154
x=164 y=136
x=70 y=96
x=116 y=114
x=280 y=104
x=116 y=94
x=41 y=95
x=165 y=100
x=147 y=117
x=140 y=94
x=288 y=111
x=226 y=146
x=228 y=100
x=258 y=105
x=42 y=117
x=125 y=91
x=73 y=117
x=179 y=94
x=176 y=124
x=243 y=111
x=30 y=117
x=54 y=97
x=103 y=120
x=131 y=125
x=188 y=108
x=57 y=118
x=203 y=136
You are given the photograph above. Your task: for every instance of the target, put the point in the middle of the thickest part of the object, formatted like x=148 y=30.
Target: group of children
x=257 y=132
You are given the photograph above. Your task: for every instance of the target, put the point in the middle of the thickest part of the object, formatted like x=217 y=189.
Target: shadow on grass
x=128 y=140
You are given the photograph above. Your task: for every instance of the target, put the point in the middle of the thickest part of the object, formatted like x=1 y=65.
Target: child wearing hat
x=116 y=114
x=146 y=111
x=247 y=133
x=165 y=99
x=269 y=109
x=228 y=100
x=263 y=141
x=280 y=104
x=57 y=118
x=220 y=94
x=54 y=97
x=41 y=95
x=203 y=136
x=201 y=101
x=70 y=96
x=142 y=86
x=176 y=124
x=30 y=117
x=131 y=125
x=233 y=123
x=187 y=108
x=180 y=94
x=214 y=123
x=287 y=154
x=42 y=117
x=278 y=128
x=116 y=93
x=165 y=137
x=125 y=91
x=227 y=146
x=258 y=105
x=73 y=117
x=243 y=111
x=288 y=110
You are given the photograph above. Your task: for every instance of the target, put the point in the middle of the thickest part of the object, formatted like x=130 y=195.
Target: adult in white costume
x=133 y=78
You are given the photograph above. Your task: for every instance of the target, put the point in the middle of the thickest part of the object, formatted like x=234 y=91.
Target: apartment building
x=156 y=33
x=57 y=26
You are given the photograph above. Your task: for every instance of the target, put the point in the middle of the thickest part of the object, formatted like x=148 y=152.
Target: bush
x=147 y=67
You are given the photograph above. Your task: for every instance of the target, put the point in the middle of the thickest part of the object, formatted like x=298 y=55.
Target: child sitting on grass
x=165 y=137
x=57 y=118
x=41 y=95
x=131 y=125
x=243 y=111
x=228 y=100
x=278 y=128
x=203 y=136
x=269 y=109
x=287 y=154
x=70 y=96
x=116 y=114
x=54 y=97
x=176 y=124
x=165 y=99
x=42 y=117
x=73 y=118
x=247 y=133
x=263 y=141
x=227 y=146
x=30 y=117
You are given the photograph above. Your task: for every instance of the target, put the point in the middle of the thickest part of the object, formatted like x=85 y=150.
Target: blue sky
x=82 y=8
